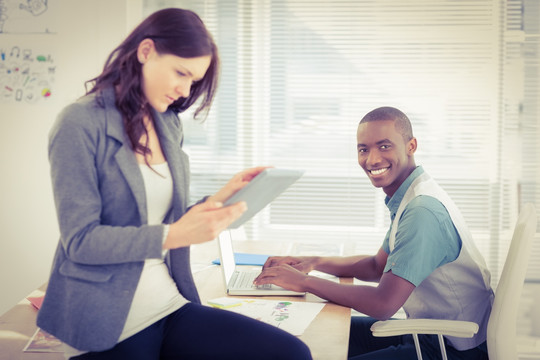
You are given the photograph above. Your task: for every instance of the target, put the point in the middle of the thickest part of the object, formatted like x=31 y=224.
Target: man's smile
x=378 y=171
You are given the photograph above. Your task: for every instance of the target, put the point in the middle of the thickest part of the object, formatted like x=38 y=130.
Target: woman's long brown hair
x=174 y=31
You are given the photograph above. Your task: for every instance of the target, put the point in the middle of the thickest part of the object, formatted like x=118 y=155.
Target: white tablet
x=261 y=190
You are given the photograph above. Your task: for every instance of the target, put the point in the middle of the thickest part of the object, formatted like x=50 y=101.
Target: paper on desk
x=317 y=249
x=198 y=267
x=35 y=298
x=36 y=301
x=323 y=275
x=291 y=316
x=43 y=342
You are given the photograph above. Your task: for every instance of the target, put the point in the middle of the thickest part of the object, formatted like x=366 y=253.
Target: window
x=298 y=75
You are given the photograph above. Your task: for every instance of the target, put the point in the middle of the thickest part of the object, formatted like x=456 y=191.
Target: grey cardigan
x=104 y=237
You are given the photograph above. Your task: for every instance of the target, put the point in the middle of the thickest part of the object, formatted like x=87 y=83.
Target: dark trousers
x=201 y=332
x=363 y=345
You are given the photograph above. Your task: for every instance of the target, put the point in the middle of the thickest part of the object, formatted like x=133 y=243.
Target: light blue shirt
x=426 y=237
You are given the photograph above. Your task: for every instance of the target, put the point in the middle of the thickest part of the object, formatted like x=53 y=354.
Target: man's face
x=384 y=155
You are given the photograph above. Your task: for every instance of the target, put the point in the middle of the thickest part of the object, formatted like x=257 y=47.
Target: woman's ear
x=145 y=50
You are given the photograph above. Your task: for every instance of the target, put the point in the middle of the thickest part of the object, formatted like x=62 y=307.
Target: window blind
x=526 y=56
x=297 y=76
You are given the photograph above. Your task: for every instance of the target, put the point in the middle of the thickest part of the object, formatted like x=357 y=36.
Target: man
x=427 y=264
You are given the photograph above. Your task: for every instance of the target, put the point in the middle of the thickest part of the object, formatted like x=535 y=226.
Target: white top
x=459 y=290
x=156 y=295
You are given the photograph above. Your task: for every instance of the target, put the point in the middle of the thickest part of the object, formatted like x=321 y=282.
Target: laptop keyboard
x=244 y=280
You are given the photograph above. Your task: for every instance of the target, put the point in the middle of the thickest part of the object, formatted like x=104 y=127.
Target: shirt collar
x=393 y=202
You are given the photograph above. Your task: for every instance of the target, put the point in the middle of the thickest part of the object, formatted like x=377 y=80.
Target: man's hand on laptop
x=301 y=263
x=283 y=275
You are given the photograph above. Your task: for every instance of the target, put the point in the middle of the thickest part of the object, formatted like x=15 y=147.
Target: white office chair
x=501 y=331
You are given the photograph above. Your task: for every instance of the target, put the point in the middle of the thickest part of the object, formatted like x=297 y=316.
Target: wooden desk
x=17 y=326
x=327 y=336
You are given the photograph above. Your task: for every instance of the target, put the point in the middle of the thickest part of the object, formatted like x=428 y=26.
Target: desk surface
x=327 y=336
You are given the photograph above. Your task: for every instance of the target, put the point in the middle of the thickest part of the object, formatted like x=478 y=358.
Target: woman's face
x=166 y=77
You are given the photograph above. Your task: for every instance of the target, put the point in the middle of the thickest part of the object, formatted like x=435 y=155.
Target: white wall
x=82 y=34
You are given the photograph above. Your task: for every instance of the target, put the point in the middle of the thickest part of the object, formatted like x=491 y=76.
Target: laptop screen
x=226 y=254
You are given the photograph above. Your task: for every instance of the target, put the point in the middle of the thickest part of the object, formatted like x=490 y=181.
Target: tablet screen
x=261 y=190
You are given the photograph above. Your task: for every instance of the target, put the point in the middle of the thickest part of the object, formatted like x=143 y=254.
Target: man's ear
x=145 y=50
x=412 y=146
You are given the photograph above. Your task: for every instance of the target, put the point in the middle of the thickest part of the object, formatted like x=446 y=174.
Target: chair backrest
x=501 y=331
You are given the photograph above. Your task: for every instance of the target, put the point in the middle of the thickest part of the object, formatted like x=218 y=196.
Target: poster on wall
x=25 y=17
x=27 y=72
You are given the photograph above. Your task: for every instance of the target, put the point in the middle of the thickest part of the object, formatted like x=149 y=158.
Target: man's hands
x=301 y=263
x=288 y=272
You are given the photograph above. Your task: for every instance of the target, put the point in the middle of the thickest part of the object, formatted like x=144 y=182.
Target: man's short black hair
x=402 y=122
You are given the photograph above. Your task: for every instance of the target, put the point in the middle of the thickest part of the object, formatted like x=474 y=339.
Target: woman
x=121 y=285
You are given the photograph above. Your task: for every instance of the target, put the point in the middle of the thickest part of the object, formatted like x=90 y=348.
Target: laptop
x=240 y=281
x=261 y=190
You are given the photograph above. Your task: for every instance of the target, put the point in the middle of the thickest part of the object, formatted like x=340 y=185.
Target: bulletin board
x=27 y=72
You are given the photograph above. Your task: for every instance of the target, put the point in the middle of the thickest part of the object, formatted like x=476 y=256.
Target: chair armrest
x=464 y=329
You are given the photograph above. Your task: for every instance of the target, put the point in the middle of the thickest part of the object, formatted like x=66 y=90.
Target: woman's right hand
x=202 y=223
